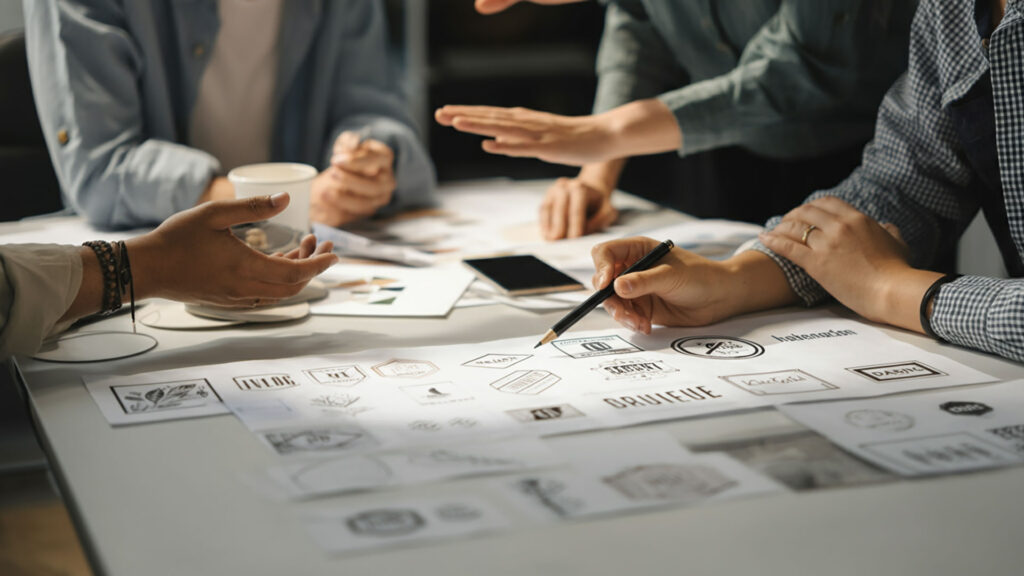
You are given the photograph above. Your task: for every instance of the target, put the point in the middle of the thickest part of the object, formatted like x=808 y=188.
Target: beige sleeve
x=38 y=283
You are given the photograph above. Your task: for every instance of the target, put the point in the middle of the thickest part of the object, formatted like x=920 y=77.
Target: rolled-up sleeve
x=85 y=70
x=827 y=60
x=367 y=95
x=38 y=283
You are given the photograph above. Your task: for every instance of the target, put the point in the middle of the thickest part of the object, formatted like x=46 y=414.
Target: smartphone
x=522 y=275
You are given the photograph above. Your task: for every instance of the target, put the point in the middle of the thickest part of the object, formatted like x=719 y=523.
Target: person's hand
x=521 y=132
x=360 y=180
x=684 y=289
x=194 y=257
x=574 y=207
x=860 y=262
x=494 y=6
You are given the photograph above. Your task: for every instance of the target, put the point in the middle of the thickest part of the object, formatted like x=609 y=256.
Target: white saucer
x=174 y=316
x=95 y=347
x=256 y=315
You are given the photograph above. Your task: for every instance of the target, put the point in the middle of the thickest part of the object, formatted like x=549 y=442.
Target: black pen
x=650 y=259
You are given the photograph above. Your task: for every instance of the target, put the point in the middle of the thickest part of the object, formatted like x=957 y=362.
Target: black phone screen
x=523 y=274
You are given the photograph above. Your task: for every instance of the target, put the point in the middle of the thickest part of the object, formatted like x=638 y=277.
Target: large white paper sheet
x=401 y=523
x=613 y=474
x=937 y=432
x=394 y=398
x=359 y=290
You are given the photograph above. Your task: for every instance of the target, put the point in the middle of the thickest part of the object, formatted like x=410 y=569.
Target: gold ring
x=807 y=232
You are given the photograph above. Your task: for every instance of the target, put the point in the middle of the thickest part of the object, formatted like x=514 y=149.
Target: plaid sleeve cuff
x=982 y=313
x=802 y=284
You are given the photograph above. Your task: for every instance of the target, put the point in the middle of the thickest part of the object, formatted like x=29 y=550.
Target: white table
x=166 y=498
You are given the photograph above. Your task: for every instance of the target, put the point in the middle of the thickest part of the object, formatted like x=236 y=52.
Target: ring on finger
x=807 y=232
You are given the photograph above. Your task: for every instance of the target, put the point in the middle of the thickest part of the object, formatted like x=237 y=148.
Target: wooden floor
x=36 y=536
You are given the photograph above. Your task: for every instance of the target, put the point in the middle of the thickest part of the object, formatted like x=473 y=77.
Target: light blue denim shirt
x=115 y=82
x=781 y=78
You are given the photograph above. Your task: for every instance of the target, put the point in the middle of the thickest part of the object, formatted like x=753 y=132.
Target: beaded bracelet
x=926 y=321
x=108 y=267
x=125 y=282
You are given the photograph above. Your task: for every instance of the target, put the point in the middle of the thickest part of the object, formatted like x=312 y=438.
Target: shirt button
x=62 y=136
x=198 y=50
x=984 y=43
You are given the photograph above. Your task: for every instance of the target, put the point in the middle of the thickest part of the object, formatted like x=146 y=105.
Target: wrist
x=146 y=269
x=751 y=281
x=901 y=294
x=603 y=176
x=641 y=127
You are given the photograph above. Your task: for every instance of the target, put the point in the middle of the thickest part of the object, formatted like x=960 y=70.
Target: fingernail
x=624 y=285
x=278 y=198
x=630 y=323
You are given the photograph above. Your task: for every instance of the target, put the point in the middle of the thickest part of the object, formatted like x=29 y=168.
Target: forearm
x=146 y=270
x=641 y=127
x=753 y=282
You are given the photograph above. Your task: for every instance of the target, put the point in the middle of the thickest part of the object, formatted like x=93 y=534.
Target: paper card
x=392 y=291
x=155 y=397
x=407 y=467
x=609 y=475
x=929 y=433
x=401 y=523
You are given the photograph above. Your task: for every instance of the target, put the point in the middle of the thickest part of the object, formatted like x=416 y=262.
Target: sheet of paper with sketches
x=379 y=399
x=481 y=293
x=937 y=432
x=360 y=290
x=401 y=523
x=614 y=474
x=394 y=469
x=153 y=398
x=356 y=246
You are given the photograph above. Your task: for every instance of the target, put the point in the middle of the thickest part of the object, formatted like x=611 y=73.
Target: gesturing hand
x=573 y=140
x=359 y=182
x=857 y=260
x=194 y=257
x=573 y=208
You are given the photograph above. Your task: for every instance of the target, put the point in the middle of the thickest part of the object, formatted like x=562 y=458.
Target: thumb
x=227 y=213
x=658 y=281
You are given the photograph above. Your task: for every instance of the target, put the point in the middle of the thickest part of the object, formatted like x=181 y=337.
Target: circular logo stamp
x=718 y=347
x=882 y=420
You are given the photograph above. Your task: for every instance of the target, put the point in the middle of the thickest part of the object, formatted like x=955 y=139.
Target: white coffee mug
x=274 y=177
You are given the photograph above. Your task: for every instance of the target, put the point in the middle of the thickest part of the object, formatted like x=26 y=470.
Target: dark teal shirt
x=781 y=78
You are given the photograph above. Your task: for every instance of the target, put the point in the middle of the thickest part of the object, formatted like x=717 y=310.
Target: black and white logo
x=386 y=522
x=897 y=371
x=966 y=408
x=718 y=347
x=498 y=361
x=265 y=382
x=349 y=375
x=525 y=382
x=560 y=412
x=595 y=346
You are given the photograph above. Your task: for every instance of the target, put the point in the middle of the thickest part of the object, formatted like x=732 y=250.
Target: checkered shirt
x=916 y=176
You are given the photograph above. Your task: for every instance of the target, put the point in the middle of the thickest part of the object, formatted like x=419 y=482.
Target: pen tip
x=538 y=345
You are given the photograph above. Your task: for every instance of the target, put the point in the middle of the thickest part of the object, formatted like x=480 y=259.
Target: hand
x=194 y=257
x=494 y=6
x=860 y=262
x=521 y=132
x=573 y=207
x=641 y=127
x=684 y=289
x=359 y=182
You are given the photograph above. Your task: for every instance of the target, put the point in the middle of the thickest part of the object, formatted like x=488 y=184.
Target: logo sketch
x=525 y=382
x=897 y=371
x=634 y=369
x=881 y=420
x=265 y=382
x=687 y=482
x=718 y=347
x=386 y=522
x=348 y=375
x=315 y=440
x=498 y=361
x=560 y=412
x=595 y=346
x=400 y=368
x=778 y=382
x=157 y=397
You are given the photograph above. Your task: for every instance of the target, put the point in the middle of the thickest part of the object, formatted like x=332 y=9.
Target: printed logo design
x=386 y=522
x=265 y=382
x=718 y=347
x=669 y=482
x=436 y=393
x=595 y=346
x=525 y=382
x=966 y=408
x=1012 y=434
x=778 y=382
x=316 y=440
x=349 y=375
x=458 y=512
x=881 y=420
x=633 y=369
x=499 y=361
x=898 y=371
x=666 y=397
x=560 y=412
x=551 y=494
x=157 y=397
x=399 y=368
x=960 y=451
